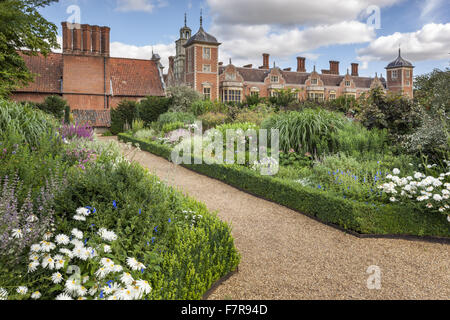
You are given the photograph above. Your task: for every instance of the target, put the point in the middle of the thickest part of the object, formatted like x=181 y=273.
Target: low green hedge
x=351 y=215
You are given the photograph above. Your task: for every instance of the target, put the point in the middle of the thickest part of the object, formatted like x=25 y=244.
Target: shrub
x=306 y=131
x=256 y=114
x=123 y=115
x=54 y=105
x=168 y=127
x=393 y=112
x=137 y=125
x=171 y=117
x=145 y=134
x=212 y=119
x=25 y=122
x=182 y=98
x=151 y=108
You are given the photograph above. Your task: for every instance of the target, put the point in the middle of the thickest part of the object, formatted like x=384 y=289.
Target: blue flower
x=142 y=270
x=140 y=211
x=109 y=283
x=320 y=187
x=102 y=295
x=156 y=229
x=170 y=220
x=115 y=204
x=153 y=240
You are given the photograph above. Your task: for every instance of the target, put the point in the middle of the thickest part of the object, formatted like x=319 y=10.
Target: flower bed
x=79 y=221
x=389 y=219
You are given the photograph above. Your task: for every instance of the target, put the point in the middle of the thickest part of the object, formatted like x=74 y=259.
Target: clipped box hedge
x=354 y=216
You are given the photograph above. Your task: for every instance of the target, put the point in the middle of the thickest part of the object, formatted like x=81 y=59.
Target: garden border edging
x=164 y=152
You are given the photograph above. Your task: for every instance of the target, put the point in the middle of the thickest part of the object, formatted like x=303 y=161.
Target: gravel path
x=286 y=255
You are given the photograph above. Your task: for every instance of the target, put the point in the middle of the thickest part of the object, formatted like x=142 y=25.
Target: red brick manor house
x=93 y=82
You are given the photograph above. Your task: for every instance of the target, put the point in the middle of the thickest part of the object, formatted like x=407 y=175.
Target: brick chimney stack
x=87 y=38
x=265 y=61
x=105 y=33
x=301 y=66
x=67 y=38
x=96 y=46
x=76 y=38
x=334 y=67
x=355 y=72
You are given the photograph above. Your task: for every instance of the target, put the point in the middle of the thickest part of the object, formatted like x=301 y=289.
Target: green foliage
x=256 y=114
x=212 y=119
x=25 y=122
x=244 y=126
x=171 y=117
x=169 y=127
x=151 y=108
x=137 y=125
x=22 y=26
x=201 y=107
x=252 y=100
x=185 y=248
x=294 y=159
x=283 y=97
x=182 y=98
x=431 y=91
x=393 y=112
x=123 y=115
x=56 y=106
x=307 y=131
x=145 y=134
x=365 y=218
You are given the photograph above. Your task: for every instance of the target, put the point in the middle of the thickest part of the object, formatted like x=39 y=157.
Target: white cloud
x=432 y=42
x=122 y=50
x=245 y=44
x=290 y=12
x=139 y=5
x=429 y=9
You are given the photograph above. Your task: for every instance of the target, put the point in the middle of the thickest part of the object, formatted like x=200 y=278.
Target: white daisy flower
x=59 y=262
x=47 y=246
x=48 y=236
x=107 y=263
x=396 y=171
x=3 y=294
x=132 y=263
x=117 y=268
x=128 y=293
x=17 y=234
x=83 y=212
x=22 y=290
x=79 y=218
x=102 y=272
x=107 y=235
x=36 y=295
x=32 y=267
x=77 y=233
x=63 y=296
x=113 y=297
x=106 y=248
x=144 y=286
x=111 y=288
x=34 y=257
x=48 y=262
x=82 y=291
x=35 y=248
x=72 y=286
x=437 y=197
x=392 y=199
x=93 y=290
x=126 y=278
x=77 y=243
x=66 y=252
x=429 y=206
x=81 y=253
x=32 y=218
x=57 y=278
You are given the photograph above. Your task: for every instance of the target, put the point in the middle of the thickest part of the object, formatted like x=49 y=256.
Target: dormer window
x=347 y=83
x=314 y=81
x=274 y=79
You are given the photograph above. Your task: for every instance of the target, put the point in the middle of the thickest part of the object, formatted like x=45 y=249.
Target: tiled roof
x=399 y=62
x=48 y=72
x=132 y=77
x=202 y=37
x=292 y=77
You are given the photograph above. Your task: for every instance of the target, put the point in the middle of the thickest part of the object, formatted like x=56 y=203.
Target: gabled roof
x=399 y=62
x=299 y=78
x=48 y=71
x=132 y=77
x=201 y=37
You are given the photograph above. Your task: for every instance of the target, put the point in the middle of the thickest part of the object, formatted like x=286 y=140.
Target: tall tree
x=22 y=28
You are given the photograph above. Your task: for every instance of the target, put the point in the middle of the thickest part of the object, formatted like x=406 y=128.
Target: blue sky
x=325 y=30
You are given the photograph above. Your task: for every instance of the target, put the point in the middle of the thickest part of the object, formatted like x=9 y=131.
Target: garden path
x=286 y=255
